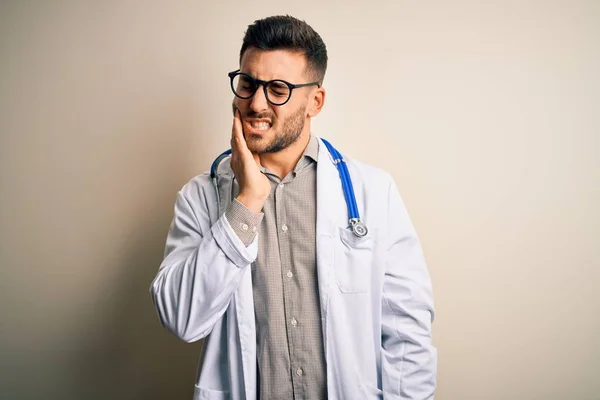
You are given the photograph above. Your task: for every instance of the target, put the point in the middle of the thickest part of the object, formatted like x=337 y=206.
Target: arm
x=409 y=360
x=203 y=264
x=201 y=270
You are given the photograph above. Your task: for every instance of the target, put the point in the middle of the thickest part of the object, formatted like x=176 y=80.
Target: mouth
x=257 y=126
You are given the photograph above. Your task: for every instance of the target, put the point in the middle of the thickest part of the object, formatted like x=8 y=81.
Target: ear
x=316 y=102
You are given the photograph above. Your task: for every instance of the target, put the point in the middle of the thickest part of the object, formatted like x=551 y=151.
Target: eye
x=278 y=89
x=246 y=82
x=244 y=86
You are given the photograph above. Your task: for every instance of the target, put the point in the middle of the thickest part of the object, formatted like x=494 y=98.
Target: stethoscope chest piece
x=358 y=228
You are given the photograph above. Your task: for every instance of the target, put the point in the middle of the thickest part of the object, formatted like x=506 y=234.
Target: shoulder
x=202 y=184
x=370 y=175
x=197 y=188
x=362 y=170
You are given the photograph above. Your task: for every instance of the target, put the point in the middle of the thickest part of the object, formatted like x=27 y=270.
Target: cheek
x=284 y=114
x=242 y=104
x=279 y=117
x=236 y=104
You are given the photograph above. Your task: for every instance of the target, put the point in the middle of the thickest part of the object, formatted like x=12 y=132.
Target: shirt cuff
x=244 y=222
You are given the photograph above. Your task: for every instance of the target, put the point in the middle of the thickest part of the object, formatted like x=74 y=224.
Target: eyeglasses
x=277 y=92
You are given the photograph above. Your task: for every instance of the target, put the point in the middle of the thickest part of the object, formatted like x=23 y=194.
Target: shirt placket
x=285 y=233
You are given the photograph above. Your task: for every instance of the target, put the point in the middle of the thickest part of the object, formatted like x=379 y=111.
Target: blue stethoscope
x=358 y=227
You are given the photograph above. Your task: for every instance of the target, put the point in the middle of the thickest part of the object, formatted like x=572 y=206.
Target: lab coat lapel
x=330 y=202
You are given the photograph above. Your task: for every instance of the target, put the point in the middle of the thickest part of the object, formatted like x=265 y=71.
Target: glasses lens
x=278 y=92
x=243 y=86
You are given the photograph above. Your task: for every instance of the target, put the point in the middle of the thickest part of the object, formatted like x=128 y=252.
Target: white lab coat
x=375 y=292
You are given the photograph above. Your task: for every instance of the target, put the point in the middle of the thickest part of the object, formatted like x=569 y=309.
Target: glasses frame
x=264 y=84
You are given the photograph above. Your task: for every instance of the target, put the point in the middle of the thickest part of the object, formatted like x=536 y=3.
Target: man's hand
x=254 y=186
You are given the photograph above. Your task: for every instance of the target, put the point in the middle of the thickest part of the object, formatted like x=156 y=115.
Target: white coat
x=375 y=292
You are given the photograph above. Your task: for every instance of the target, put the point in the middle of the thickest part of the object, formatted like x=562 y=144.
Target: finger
x=234 y=140
x=237 y=125
x=234 y=128
x=238 y=132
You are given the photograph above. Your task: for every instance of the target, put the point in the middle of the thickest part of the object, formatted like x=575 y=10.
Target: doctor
x=291 y=299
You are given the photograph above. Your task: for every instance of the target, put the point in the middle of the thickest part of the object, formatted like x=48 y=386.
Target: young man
x=269 y=263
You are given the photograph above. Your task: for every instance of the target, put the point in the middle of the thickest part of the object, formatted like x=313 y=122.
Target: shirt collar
x=312 y=149
x=311 y=153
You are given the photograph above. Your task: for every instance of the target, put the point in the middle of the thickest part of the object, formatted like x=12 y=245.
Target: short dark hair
x=284 y=32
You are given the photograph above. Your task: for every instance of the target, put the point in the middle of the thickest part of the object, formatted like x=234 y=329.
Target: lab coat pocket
x=353 y=259
x=210 y=394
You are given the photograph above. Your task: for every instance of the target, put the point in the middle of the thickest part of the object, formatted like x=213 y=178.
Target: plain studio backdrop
x=485 y=112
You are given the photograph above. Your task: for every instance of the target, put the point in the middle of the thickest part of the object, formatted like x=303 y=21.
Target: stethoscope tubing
x=358 y=227
x=347 y=186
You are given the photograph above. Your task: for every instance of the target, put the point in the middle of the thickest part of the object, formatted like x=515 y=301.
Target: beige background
x=486 y=113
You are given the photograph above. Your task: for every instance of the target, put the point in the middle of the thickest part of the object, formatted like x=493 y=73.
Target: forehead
x=274 y=64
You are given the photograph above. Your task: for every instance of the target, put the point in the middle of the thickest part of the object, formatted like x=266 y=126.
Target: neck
x=284 y=161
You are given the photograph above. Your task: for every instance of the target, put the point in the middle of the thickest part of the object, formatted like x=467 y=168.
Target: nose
x=258 y=102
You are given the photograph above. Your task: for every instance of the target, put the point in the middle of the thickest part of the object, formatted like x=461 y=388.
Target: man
x=292 y=301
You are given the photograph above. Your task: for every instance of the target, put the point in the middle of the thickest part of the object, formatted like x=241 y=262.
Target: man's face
x=268 y=128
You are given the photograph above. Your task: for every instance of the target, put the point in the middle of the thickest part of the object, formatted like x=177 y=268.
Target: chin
x=257 y=143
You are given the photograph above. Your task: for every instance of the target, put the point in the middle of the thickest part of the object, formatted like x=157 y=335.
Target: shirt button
x=289 y=274
x=281 y=186
x=254 y=229
x=294 y=322
x=299 y=372
x=284 y=228
x=245 y=227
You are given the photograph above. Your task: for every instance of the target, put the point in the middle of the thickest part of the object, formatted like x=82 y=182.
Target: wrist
x=253 y=203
